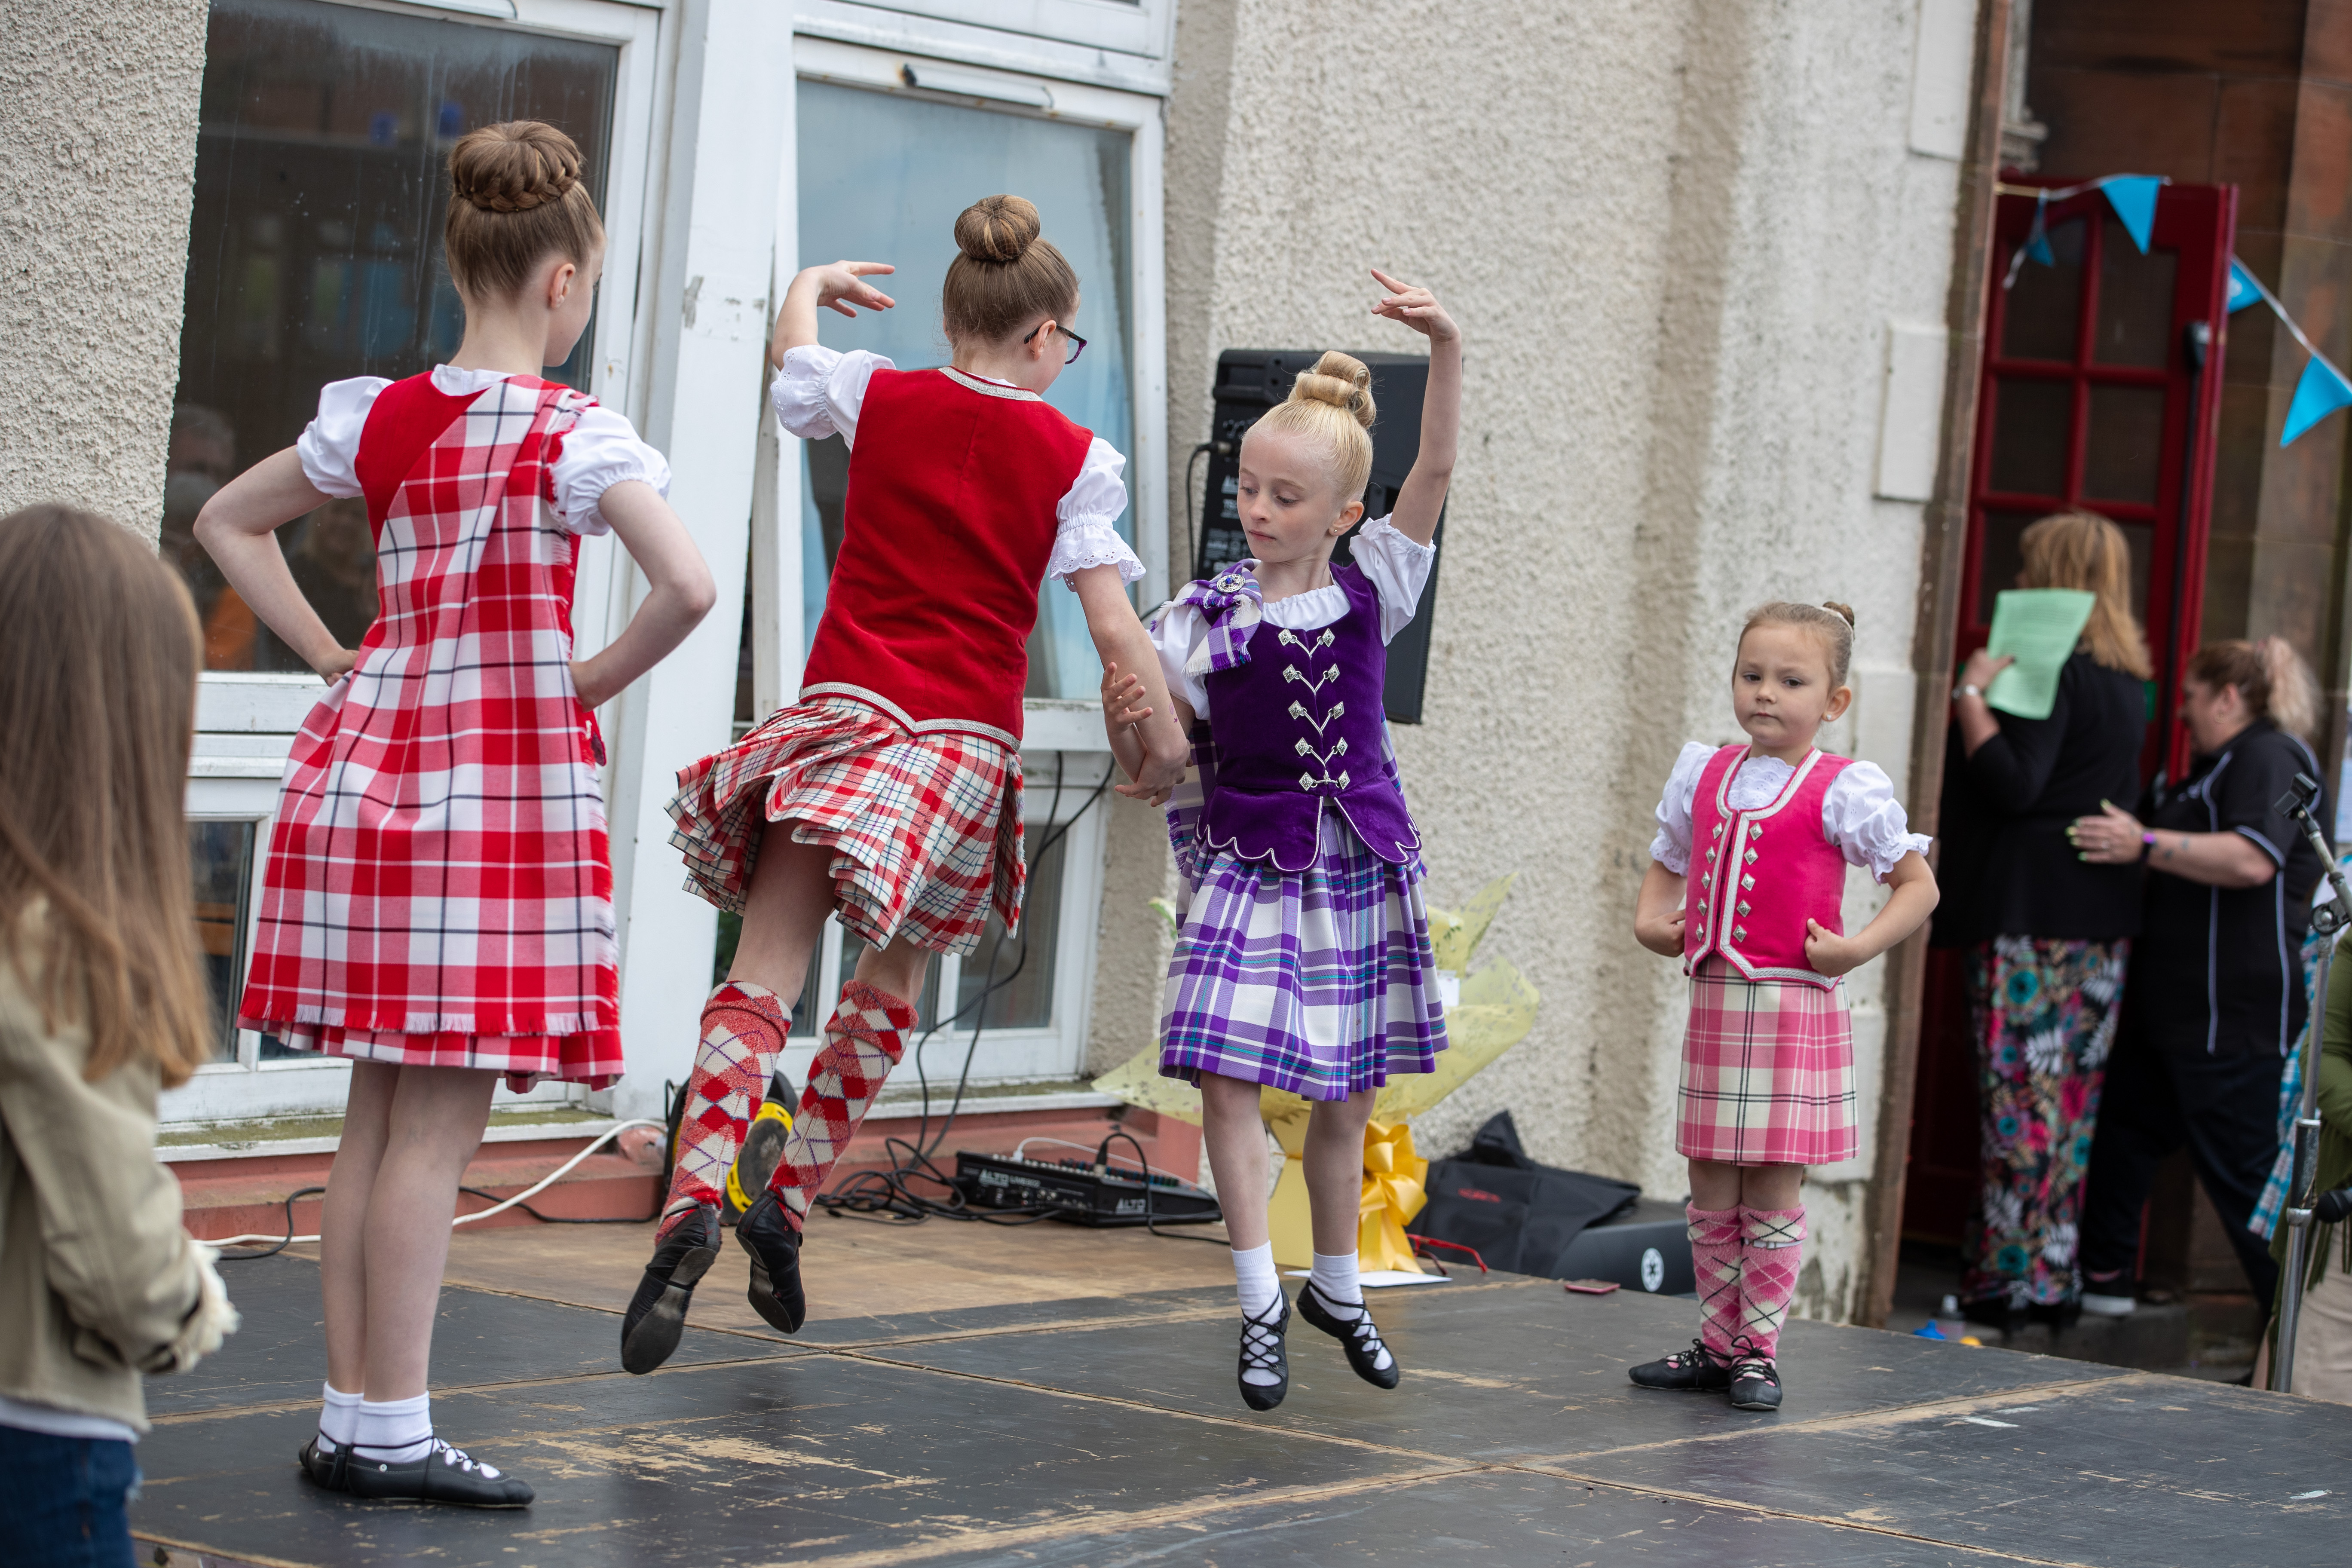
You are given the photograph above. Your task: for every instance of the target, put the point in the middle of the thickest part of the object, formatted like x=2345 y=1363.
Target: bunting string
x=2320 y=391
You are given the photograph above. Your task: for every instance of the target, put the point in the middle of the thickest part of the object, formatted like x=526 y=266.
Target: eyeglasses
x=1077 y=343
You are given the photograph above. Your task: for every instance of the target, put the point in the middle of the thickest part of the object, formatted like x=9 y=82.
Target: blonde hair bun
x=998 y=229
x=514 y=167
x=1340 y=380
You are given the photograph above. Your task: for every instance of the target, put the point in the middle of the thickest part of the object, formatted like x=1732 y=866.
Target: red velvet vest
x=1757 y=875
x=948 y=525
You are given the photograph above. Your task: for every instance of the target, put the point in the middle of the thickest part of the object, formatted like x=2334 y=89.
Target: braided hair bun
x=517 y=194
x=1007 y=276
x=998 y=229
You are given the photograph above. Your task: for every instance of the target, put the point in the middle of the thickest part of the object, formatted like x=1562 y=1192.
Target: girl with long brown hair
x=2045 y=935
x=102 y=1004
x=438 y=902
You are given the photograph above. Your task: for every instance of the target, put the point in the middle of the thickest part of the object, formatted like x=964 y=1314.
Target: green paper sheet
x=2039 y=628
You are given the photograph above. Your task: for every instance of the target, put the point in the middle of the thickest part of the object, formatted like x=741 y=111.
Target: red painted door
x=2100 y=390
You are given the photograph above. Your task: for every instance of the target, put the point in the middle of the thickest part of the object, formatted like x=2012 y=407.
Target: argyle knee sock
x=1773 y=1249
x=863 y=1040
x=1716 y=1262
x=743 y=1029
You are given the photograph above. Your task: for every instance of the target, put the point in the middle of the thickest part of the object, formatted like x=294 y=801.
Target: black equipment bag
x=1519 y=1215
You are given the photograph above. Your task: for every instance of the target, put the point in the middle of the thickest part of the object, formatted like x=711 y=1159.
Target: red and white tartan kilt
x=1768 y=1072
x=525 y=1059
x=925 y=826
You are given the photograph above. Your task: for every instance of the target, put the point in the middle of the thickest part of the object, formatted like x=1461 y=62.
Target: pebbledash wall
x=98 y=149
x=1701 y=253
x=1702 y=250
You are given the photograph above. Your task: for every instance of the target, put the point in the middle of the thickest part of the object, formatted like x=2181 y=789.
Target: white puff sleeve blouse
x=820 y=390
x=1860 y=815
x=1393 y=563
x=599 y=452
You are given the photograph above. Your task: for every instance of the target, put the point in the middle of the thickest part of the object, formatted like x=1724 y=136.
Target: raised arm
x=1422 y=497
x=838 y=287
x=239 y=525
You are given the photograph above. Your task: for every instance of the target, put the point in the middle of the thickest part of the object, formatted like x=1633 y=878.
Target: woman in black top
x=2216 y=997
x=2047 y=934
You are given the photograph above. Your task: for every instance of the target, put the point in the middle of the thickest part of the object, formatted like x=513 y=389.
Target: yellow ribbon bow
x=1395 y=1188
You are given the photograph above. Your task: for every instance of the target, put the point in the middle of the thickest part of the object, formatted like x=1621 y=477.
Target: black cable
x=567 y=1219
x=292 y=1198
x=1102 y=1158
x=1192 y=528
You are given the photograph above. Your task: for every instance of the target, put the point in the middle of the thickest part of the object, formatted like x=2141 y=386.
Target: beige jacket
x=99 y=1281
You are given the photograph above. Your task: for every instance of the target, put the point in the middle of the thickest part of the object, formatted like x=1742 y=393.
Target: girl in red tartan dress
x=1767 y=829
x=438 y=901
x=890 y=793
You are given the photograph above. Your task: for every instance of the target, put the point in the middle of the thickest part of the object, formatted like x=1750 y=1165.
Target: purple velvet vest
x=1298 y=730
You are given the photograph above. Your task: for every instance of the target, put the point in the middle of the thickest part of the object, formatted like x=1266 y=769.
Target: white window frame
x=1072 y=728
x=1126 y=43
x=247 y=724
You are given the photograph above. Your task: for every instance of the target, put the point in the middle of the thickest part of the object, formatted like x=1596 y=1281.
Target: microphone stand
x=2328 y=919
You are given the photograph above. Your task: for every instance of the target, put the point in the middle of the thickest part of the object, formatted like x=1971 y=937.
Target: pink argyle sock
x=1772 y=1250
x=863 y=1041
x=1716 y=1260
x=743 y=1029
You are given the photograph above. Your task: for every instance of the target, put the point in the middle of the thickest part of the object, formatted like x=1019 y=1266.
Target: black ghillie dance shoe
x=1351 y=1325
x=1694 y=1371
x=657 y=1315
x=1264 y=1349
x=1755 y=1383
x=775 y=1249
x=325 y=1469
x=443 y=1475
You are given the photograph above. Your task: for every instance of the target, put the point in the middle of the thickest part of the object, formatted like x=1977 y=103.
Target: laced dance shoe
x=775 y=1249
x=326 y=1471
x=1351 y=1323
x=1265 y=1349
x=656 y=1314
x=443 y=1475
x=1692 y=1371
x=1755 y=1383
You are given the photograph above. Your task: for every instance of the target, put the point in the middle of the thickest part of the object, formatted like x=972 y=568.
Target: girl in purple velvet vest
x=1304 y=962
x=1748 y=873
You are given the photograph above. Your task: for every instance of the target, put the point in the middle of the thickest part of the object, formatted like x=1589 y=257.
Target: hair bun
x=514 y=167
x=998 y=229
x=1844 y=612
x=1340 y=380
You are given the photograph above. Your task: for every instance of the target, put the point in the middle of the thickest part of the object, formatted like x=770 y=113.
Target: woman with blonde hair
x=2217 y=996
x=101 y=1004
x=2046 y=935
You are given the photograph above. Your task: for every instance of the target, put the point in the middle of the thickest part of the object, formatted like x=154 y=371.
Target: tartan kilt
x=924 y=825
x=1766 y=1073
x=594 y=1059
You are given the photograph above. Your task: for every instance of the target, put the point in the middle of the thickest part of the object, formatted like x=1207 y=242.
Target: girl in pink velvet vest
x=1747 y=875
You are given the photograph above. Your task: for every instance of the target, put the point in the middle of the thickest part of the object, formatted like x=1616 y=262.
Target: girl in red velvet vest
x=438 y=901
x=1748 y=873
x=890 y=793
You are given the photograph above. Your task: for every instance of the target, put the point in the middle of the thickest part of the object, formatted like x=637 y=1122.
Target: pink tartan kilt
x=1768 y=1072
x=525 y=1059
x=925 y=824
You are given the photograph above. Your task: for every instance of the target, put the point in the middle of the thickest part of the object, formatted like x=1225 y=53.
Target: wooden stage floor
x=968 y=1395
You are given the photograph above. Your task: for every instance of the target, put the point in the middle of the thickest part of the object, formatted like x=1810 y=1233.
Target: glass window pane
x=926 y=1005
x=2044 y=307
x=2135 y=302
x=315 y=253
x=220 y=854
x=1020 y=969
x=2031 y=421
x=882 y=178
x=2125 y=445
x=1999 y=557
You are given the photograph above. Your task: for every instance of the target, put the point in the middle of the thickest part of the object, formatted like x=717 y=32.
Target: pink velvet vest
x=1756 y=877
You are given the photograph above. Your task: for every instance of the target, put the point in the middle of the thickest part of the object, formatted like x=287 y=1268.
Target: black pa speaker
x=1251 y=381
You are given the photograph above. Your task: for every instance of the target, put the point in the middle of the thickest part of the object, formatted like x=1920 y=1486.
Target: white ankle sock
x=1261 y=1291
x=339 y=1419
x=397 y=1429
x=1335 y=1277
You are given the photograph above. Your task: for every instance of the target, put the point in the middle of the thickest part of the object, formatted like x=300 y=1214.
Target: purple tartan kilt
x=1319 y=981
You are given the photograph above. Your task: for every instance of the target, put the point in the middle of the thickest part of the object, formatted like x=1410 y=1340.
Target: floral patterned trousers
x=2043 y=1012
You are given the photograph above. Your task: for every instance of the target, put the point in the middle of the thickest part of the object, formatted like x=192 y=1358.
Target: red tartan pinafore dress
x=439 y=889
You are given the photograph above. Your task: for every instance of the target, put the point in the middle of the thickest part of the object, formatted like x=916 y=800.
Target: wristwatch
x=1967 y=688
x=2146 y=845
